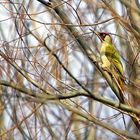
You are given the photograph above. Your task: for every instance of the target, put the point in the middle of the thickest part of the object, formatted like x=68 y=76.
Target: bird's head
x=103 y=36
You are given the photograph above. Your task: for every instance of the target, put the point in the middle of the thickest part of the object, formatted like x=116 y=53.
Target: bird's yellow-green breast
x=109 y=55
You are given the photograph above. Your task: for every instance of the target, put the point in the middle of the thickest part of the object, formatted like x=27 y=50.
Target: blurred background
x=49 y=88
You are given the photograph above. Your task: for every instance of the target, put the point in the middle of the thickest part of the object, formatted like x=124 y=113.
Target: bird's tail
x=120 y=84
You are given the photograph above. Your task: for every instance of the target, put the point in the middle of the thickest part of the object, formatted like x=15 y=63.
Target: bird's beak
x=96 y=33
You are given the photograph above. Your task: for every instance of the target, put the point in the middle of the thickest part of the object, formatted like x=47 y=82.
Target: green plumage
x=111 y=61
x=109 y=56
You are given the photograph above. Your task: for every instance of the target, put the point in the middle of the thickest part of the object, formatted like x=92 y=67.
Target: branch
x=42 y=98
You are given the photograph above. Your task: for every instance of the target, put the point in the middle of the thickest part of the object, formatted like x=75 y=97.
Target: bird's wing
x=111 y=53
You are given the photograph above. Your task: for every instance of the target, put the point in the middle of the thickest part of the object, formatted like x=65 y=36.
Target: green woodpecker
x=110 y=59
x=109 y=55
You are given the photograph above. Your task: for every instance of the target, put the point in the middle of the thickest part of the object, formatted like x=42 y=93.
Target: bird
x=109 y=55
x=111 y=60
